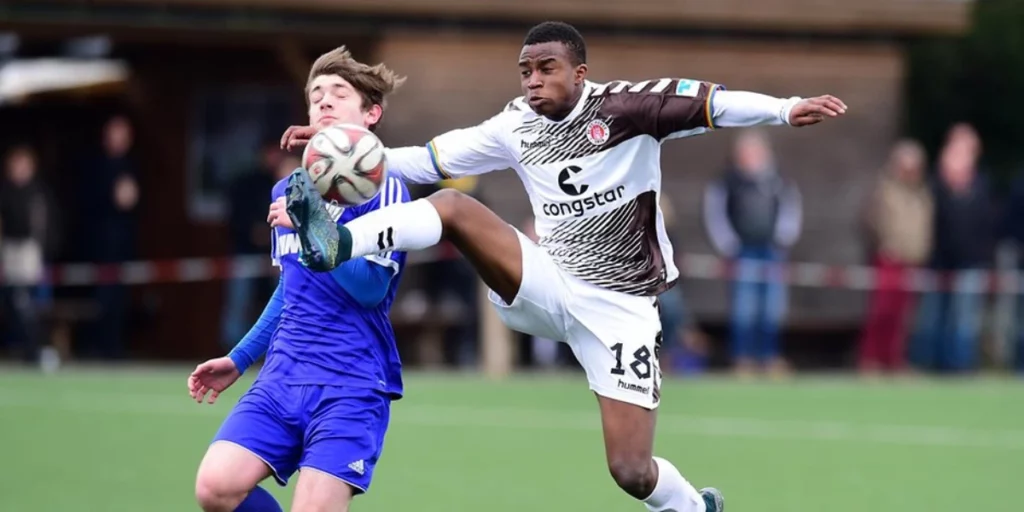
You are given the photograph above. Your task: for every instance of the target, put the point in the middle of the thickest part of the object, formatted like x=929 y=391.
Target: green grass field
x=130 y=440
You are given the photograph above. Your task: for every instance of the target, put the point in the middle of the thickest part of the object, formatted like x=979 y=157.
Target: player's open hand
x=278 y=215
x=212 y=377
x=815 y=110
x=296 y=137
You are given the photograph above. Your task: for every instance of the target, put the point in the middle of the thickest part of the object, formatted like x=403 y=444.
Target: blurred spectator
x=111 y=211
x=753 y=215
x=899 y=222
x=950 y=320
x=248 y=198
x=26 y=214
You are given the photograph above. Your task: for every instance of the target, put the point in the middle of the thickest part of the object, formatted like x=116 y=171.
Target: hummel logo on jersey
x=357 y=466
x=634 y=387
x=539 y=143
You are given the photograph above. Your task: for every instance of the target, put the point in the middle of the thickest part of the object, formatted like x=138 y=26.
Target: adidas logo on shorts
x=357 y=466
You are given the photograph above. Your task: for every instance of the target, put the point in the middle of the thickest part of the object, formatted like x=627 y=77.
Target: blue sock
x=259 y=500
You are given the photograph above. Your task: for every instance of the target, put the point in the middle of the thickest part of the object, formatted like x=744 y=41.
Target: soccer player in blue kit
x=321 y=403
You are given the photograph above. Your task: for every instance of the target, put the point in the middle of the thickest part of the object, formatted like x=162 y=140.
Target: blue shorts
x=336 y=430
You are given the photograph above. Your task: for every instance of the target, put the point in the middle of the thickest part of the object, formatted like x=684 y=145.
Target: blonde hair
x=373 y=83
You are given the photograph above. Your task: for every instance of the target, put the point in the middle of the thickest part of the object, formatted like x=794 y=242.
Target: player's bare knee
x=633 y=475
x=318 y=491
x=214 y=494
x=450 y=205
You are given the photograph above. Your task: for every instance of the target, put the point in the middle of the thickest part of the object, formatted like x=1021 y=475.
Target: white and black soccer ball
x=346 y=163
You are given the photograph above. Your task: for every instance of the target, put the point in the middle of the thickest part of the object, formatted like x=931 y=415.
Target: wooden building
x=459 y=56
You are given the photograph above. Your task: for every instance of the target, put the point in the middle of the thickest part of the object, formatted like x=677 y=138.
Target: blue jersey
x=324 y=336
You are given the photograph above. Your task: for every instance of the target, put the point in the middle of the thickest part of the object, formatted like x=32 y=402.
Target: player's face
x=332 y=100
x=551 y=84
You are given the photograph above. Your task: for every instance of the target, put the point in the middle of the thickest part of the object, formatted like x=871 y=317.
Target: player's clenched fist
x=278 y=215
x=212 y=377
x=814 y=110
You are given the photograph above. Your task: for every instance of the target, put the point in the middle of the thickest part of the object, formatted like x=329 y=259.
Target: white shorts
x=616 y=337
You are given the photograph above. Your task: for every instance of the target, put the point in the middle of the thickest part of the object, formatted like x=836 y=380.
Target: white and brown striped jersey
x=593 y=178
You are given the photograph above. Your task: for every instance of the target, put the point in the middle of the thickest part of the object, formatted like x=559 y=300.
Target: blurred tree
x=978 y=79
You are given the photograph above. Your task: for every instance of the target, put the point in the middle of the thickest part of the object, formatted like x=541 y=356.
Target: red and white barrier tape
x=185 y=270
x=692 y=266
x=849 y=277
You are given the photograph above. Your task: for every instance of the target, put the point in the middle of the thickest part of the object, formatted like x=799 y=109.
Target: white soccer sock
x=399 y=227
x=673 y=493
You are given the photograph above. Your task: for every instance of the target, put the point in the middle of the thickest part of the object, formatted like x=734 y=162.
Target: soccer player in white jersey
x=588 y=155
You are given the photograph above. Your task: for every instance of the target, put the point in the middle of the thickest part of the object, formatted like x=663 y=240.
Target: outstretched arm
x=464 y=152
x=681 y=108
x=413 y=164
x=741 y=108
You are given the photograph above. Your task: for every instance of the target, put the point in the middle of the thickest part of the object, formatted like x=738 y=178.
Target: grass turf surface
x=130 y=440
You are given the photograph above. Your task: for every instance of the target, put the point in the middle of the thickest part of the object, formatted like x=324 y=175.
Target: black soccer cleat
x=713 y=500
x=323 y=247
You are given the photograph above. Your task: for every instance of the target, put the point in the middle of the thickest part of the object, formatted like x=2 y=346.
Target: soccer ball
x=346 y=163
